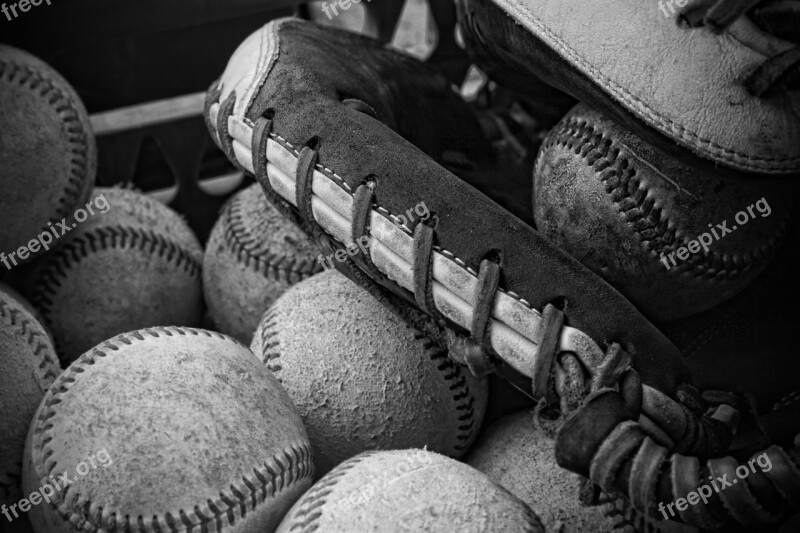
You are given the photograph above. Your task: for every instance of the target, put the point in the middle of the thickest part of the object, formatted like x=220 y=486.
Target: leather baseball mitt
x=348 y=138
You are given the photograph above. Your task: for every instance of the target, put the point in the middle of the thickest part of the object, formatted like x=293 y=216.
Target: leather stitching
x=310 y=508
x=463 y=398
x=14 y=319
x=333 y=176
x=240 y=241
x=650 y=223
x=725 y=154
x=76 y=135
x=273 y=476
x=270 y=346
x=48 y=281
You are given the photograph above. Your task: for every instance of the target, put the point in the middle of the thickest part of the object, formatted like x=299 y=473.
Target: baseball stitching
x=463 y=399
x=275 y=475
x=649 y=221
x=77 y=136
x=27 y=331
x=239 y=240
x=214 y=111
x=309 y=509
x=269 y=346
x=48 y=282
x=339 y=181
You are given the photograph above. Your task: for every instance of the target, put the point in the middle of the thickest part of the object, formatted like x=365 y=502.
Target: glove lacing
x=779 y=71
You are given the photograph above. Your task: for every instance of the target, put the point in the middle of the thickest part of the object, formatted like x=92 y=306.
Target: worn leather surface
x=637 y=66
x=301 y=74
x=194 y=428
x=46 y=147
x=617 y=203
x=408 y=490
x=252 y=257
x=29 y=366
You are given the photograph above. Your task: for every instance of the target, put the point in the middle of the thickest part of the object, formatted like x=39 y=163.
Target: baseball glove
x=703 y=83
x=348 y=138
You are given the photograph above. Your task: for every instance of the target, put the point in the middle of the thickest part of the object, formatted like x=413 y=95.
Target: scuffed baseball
x=361 y=378
x=28 y=366
x=136 y=265
x=408 y=490
x=47 y=150
x=621 y=206
x=516 y=455
x=188 y=430
x=253 y=255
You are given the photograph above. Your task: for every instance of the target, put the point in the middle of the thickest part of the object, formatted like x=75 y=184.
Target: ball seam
x=76 y=134
x=340 y=182
x=278 y=473
x=48 y=281
x=269 y=265
x=648 y=220
x=310 y=508
x=463 y=399
x=461 y=393
x=26 y=330
x=270 y=349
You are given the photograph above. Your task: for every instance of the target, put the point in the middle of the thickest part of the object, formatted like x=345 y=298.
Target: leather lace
x=627 y=438
x=780 y=71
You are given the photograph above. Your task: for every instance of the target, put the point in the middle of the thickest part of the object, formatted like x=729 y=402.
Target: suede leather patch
x=420 y=118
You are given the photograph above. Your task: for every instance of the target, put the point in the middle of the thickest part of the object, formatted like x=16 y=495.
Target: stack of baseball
x=151 y=382
x=118 y=412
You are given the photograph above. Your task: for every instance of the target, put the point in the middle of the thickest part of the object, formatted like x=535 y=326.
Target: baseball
x=28 y=365
x=165 y=429
x=253 y=255
x=46 y=146
x=408 y=490
x=361 y=378
x=134 y=263
x=516 y=455
x=672 y=238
